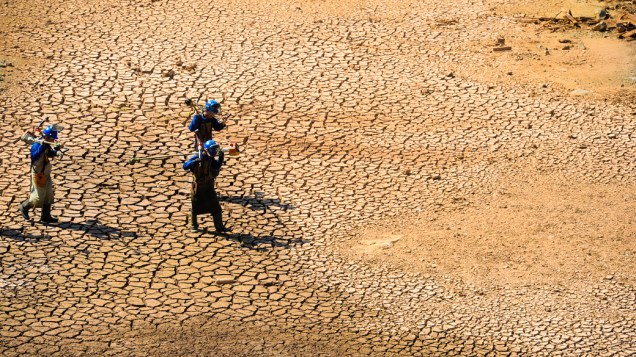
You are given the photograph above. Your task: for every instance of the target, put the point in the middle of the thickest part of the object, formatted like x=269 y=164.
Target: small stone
x=169 y=73
x=601 y=26
x=190 y=67
x=609 y=277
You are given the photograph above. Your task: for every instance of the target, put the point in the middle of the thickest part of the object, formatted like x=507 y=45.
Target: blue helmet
x=212 y=106
x=211 y=147
x=50 y=132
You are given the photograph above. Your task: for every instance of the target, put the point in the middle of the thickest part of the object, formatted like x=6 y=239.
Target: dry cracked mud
x=398 y=193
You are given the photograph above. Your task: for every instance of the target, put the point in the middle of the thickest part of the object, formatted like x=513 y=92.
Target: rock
x=601 y=26
x=190 y=67
x=169 y=73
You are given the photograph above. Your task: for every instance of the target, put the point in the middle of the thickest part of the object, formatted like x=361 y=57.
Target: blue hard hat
x=211 y=147
x=212 y=106
x=50 y=132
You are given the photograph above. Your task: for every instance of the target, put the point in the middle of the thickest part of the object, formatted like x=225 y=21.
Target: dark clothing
x=37 y=149
x=203 y=193
x=204 y=199
x=205 y=128
x=207 y=168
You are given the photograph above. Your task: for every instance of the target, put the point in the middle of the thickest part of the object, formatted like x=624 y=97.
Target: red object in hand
x=234 y=149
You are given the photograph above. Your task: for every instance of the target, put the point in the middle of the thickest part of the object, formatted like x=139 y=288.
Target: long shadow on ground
x=91 y=227
x=263 y=243
x=257 y=202
x=97 y=230
x=20 y=236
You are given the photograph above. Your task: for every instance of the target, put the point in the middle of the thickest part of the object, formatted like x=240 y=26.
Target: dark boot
x=24 y=209
x=46 y=215
x=194 y=226
x=218 y=223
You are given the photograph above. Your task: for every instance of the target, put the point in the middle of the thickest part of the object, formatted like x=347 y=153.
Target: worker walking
x=202 y=125
x=42 y=195
x=205 y=168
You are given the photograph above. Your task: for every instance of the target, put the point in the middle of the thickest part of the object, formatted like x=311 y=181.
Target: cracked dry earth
x=350 y=119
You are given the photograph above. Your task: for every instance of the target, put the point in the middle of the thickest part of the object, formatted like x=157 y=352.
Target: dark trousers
x=205 y=200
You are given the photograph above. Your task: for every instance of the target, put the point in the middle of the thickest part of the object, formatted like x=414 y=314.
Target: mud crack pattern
x=345 y=121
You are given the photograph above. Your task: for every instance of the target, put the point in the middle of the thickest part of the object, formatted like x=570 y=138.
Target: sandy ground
x=562 y=60
x=534 y=230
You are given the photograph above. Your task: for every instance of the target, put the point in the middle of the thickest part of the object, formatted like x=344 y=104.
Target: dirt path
x=375 y=134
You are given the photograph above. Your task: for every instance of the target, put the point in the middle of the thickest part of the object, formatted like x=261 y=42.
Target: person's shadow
x=20 y=236
x=257 y=202
x=264 y=243
x=92 y=227
x=97 y=230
